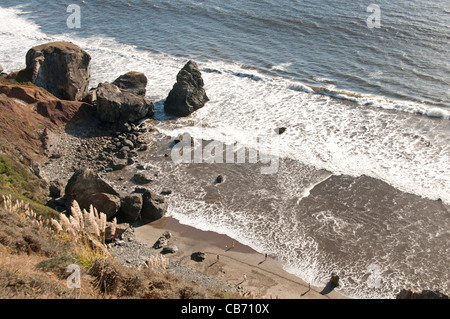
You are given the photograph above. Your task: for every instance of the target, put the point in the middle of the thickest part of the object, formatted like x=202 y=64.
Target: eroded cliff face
x=27 y=111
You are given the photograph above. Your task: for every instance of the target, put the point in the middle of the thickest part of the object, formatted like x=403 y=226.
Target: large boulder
x=133 y=82
x=154 y=206
x=104 y=202
x=62 y=68
x=187 y=94
x=130 y=209
x=115 y=105
x=86 y=187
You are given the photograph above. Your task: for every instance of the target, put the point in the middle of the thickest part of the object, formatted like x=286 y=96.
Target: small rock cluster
x=130 y=252
x=164 y=243
x=115 y=148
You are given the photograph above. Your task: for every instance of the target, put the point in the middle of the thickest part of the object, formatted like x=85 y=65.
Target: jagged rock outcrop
x=132 y=82
x=86 y=187
x=115 y=105
x=187 y=94
x=62 y=68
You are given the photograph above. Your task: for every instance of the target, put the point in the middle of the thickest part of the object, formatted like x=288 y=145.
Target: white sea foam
x=281 y=66
x=373 y=137
x=410 y=152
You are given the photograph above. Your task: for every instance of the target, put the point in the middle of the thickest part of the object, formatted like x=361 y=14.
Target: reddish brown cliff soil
x=27 y=112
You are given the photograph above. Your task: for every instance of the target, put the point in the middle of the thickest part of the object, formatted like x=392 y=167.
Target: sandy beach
x=265 y=278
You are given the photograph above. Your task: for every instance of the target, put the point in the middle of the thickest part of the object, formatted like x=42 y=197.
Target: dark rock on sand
x=170 y=249
x=130 y=209
x=198 y=256
x=62 y=68
x=154 y=206
x=133 y=82
x=187 y=94
x=162 y=241
x=141 y=178
x=114 y=105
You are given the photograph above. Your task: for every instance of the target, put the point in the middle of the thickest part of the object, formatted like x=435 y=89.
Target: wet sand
x=265 y=277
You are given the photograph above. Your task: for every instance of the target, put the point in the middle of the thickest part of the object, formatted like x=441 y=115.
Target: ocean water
x=363 y=185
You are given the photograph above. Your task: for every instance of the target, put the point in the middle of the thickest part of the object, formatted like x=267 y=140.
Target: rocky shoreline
x=87 y=145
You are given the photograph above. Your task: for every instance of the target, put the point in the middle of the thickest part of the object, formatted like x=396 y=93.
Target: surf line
x=265 y=150
x=308 y=190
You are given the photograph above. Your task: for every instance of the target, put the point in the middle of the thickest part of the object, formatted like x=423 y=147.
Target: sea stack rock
x=62 y=68
x=187 y=94
x=115 y=105
x=133 y=82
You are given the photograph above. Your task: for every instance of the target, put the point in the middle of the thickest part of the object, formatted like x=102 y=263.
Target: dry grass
x=117 y=281
x=20 y=278
x=35 y=253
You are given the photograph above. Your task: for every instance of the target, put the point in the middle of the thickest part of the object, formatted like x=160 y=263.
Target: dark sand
x=265 y=278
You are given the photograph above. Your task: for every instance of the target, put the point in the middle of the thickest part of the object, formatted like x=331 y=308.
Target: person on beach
x=218 y=256
x=245 y=277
